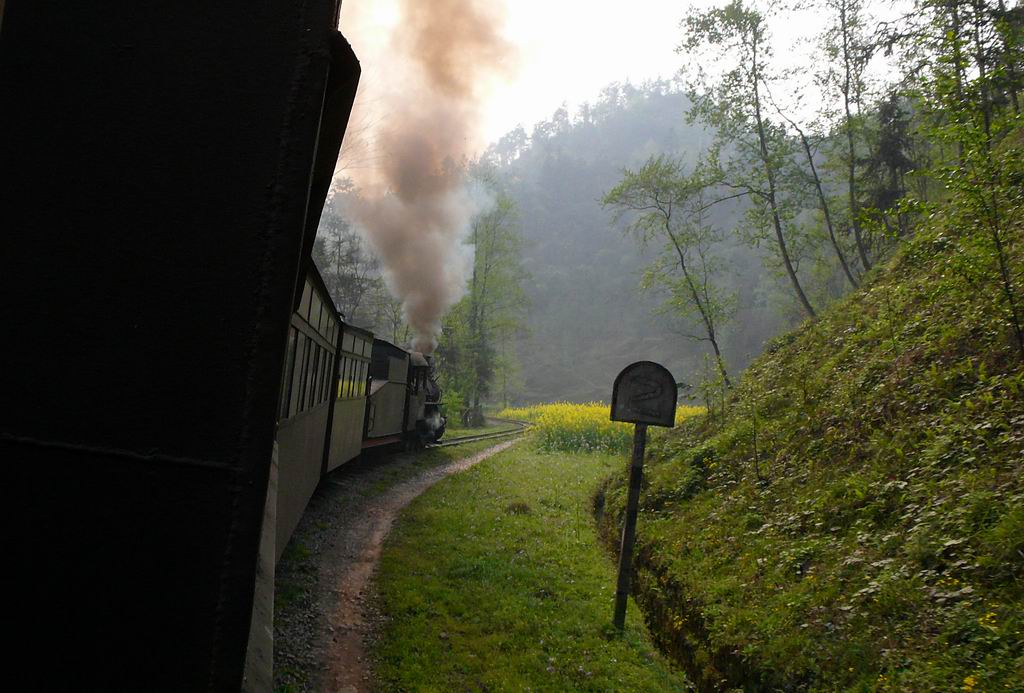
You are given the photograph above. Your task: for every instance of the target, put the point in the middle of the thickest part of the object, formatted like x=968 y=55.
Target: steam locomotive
x=343 y=391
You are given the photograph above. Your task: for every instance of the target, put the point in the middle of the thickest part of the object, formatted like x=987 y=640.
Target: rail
x=522 y=426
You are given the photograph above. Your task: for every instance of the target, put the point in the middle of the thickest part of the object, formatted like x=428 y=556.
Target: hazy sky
x=570 y=49
x=567 y=50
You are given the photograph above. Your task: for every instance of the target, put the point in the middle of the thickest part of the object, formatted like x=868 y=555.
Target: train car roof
x=314 y=273
x=349 y=327
x=387 y=347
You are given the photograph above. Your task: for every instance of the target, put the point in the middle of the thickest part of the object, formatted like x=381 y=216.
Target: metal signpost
x=644 y=394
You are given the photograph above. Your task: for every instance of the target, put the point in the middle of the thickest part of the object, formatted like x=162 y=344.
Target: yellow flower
x=581 y=427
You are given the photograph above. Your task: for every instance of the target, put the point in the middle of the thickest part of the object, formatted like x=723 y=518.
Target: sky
x=566 y=51
x=570 y=49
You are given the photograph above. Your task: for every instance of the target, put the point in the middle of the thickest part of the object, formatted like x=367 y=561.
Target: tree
x=846 y=44
x=888 y=162
x=819 y=191
x=470 y=354
x=750 y=151
x=350 y=271
x=668 y=208
x=986 y=181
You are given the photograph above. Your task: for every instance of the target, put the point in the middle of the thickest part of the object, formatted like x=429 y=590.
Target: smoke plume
x=427 y=84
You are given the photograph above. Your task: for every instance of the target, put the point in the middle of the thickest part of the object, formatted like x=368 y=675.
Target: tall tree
x=750 y=150
x=350 y=270
x=815 y=178
x=668 y=208
x=848 y=46
x=492 y=309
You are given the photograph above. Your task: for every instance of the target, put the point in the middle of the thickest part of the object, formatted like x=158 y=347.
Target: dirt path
x=322 y=631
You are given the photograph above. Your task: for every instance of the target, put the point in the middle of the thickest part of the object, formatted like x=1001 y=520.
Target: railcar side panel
x=386 y=413
x=305 y=407
x=350 y=397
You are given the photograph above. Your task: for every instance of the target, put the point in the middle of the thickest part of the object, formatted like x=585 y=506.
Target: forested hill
x=587 y=317
x=854 y=520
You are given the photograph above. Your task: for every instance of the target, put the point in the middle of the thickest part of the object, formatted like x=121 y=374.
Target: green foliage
x=854 y=520
x=494 y=580
x=474 y=351
x=668 y=208
x=751 y=152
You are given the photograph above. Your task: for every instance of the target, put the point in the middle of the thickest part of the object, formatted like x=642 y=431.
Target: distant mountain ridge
x=588 y=317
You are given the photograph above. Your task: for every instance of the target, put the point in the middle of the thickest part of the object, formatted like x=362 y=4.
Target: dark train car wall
x=165 y=169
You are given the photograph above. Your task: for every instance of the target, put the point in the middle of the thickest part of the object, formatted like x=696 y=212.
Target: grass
x=855 y=520
x=570 y=427
x=494 y=580
x=297 y=573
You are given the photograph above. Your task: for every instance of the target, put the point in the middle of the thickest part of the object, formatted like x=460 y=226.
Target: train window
x=322 y=379
x=362 y=379
x=325 y=393
x=313 y=317
x=319 y=377
x=307 y=366
x=352 y=378
x=318 y=386
x=307 y=378
x=315 y=376
x=341 y=375
x=287 y=378
x=298 y=377
x=307 y=294
x=346 y=342
x=325 y=377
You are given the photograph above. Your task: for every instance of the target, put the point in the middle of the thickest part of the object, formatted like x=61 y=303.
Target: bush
x=568 y=427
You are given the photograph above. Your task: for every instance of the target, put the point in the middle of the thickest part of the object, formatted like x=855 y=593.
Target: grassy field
x=494 y=580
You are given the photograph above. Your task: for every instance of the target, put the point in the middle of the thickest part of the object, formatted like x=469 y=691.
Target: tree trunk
x=825 y=209
x=702 y=306
x=770 y=173
x=851 y=148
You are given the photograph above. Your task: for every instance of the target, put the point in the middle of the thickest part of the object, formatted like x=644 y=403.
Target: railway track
x=521 y=427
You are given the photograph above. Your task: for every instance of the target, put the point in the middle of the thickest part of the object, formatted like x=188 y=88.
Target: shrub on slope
x=855 y=521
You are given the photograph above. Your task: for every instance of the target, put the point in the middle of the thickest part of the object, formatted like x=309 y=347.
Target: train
x=343 y=391
x=166 y=171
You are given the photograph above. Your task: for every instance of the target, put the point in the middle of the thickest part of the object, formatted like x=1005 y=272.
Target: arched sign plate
x=645 y=392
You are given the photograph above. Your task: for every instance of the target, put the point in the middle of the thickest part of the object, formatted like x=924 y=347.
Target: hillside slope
x=855 y=521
